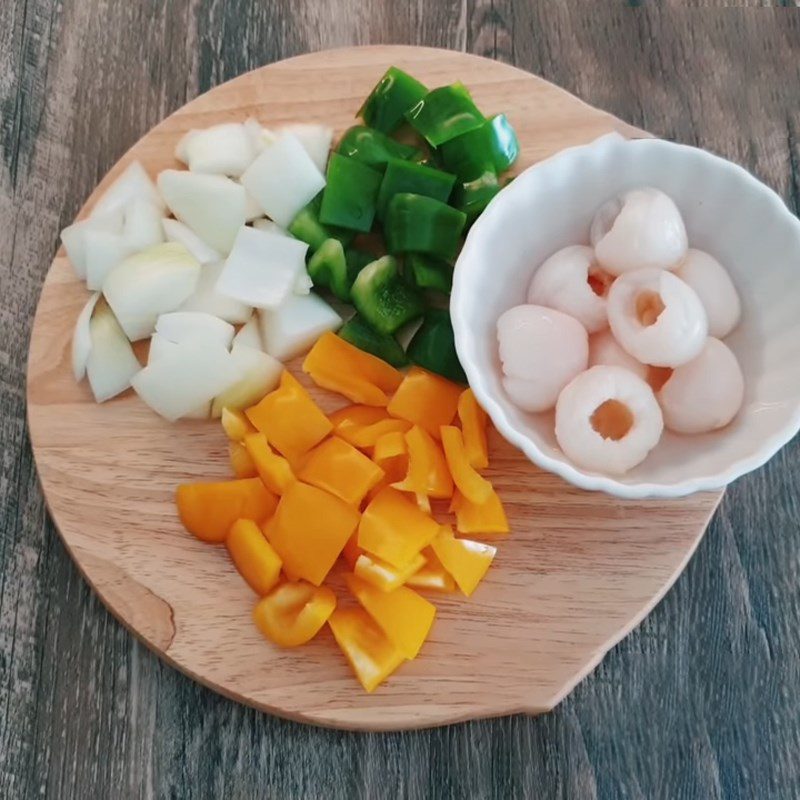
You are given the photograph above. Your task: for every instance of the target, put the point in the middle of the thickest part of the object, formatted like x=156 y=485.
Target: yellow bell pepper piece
x=293 y=613
x=253 y=556
x=291 y=420
x=403 y=615
x=465 y=560
x=426 y=400
x=340 y=367
x=362 y=426
x=473 y=427
x=394 y=529
x=428 y=474
x=351 y=551
x=242 y=464
x=208 y=510
x=470 y=483
x=340 y=469
x=274 y=470
x=433 y=576
x=366 y=647
x=309 y=530
x=391 y=455
x=384 y=576
x=235 y=424
x=486 y=517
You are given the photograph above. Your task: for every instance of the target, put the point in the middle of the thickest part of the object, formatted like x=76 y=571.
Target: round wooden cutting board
x=578 y=571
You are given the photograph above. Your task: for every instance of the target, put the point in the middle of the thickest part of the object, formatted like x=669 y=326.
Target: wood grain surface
x=701 y=701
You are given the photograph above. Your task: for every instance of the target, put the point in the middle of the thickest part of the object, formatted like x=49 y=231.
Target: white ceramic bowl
x=729 y=214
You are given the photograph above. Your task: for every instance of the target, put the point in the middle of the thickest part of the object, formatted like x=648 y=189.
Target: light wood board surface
x=578 y=571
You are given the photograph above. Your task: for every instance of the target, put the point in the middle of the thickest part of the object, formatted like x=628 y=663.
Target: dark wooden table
x=703 y=701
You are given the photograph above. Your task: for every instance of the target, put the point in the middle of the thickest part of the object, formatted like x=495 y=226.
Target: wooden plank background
x=703 y=701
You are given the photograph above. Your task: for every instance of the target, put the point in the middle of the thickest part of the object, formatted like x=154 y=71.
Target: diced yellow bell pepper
x=274 y=470
x=384 y=576
x=242 y=464
x=473 y=427
x=469 y=482
x=355 y=416
x=290 y=419
x=340 y=367
x=366 y=647
x=340 y=469
x=309 y=530
x=394 y=529
x=403 y=615
x=253 y=556
x=426 y=400
x=235 y=424
x=486 y=517
x=294 y=612
x=365 y=438
x=465 y=560
x=433 y=576
x=351 y=551
x=427 y=474
x=361 y=426
x=208 y=510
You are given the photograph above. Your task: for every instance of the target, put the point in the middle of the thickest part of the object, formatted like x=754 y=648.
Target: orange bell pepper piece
x=340 y=367
x=340 y=469
x=274 y=470
x=362 y=426
x=473 y=427
x=486 y=517
x=366 y=647
x=470 y=483
x=432 y=575
x=427 y=474
x=309 y=530
x=391 y=455
x=294 y=612
x=426 y=400
x=235 y=424
x=403 y=615
x=241 y=464
x=290 y=419
x=351 y=551
x=465 y=560
x=253 y=556
x=384 y=576
x=394 y=529
x=208 y=510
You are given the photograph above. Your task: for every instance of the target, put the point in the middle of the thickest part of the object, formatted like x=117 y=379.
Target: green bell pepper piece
x=350 y=194
x=328 y=267
x=374 y=148
x=356 y=261
x=493 y=144
x=403 y=176
x=433 y=347
x=392 y=96
x=445 y=113
x=417 y=224
x=473 y=196
x=360 y=333
x=307 y=228
x=383 y=298
x=428 y=272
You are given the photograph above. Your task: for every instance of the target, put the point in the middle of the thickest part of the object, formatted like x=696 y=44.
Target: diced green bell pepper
x=328 y=267
x=362 y=335
x=350 y=194
x=433 y=347
x=307 y=228
x=374 y=148
x=445 y=113
x=392 y=96
x=383 y=298
x=403 y=176
x=473 y=196
x=417 y=224
x=493 y=144
x=356 y=261
x=428 y=272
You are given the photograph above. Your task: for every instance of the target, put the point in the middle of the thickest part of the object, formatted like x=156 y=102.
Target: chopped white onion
x=303 y=283
x=271 y=227
x=315 y=138
x=112 y=363
x=207 y=298
x=261 y=373
x=182 y=148
x=194 y=326
x=263 y=268
x=185 y=378
x=148 y=284
x=213 y=206
x=176 y=231
x=249 y=335
x=73 y=237
x=159 y=347
x=82 y=338
x=142 y=226
x=224 y=149
x=104 y=251
x=252 y=210
x=293 y=327
x=283 y=179
x=260 y=136
x=132 y=184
